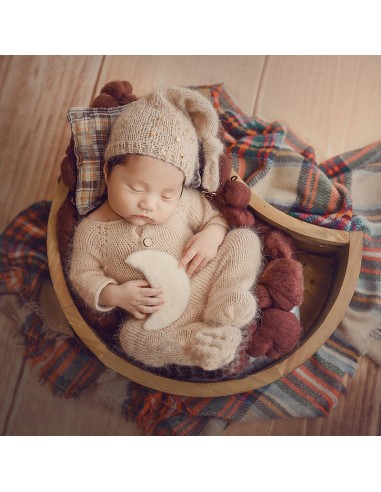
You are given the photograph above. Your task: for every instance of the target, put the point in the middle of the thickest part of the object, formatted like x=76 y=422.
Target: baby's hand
x=202 y=248
x=135 y=296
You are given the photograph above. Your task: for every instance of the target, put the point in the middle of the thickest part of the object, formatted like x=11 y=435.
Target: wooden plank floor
x=333 y=103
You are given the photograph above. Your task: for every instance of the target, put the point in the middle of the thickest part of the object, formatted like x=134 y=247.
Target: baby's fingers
x=152 y=301
x=189 y=255
x=196 y=264
x=200 y=267
x=148 y=309
x=138 y=315
x=150 y=292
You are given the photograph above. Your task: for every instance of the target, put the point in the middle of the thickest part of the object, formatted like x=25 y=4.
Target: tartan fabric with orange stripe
x=23 y=253
x=62 y=361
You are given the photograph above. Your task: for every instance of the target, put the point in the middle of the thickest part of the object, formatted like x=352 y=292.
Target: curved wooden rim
x=348 y=270
x=301 y=230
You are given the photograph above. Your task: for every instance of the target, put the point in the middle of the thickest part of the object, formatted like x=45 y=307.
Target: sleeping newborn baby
x=157 y=248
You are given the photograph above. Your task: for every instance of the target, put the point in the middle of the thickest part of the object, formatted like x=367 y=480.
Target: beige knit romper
x=209 y=331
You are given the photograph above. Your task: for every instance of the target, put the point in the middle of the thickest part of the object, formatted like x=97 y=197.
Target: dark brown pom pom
x=118 y=89
x=238 y=217
x=104 y=101
x=284 y=281
x=237 y=194
x=113 y=94
x=263 y=296
x=278 y=333
x=278 y=245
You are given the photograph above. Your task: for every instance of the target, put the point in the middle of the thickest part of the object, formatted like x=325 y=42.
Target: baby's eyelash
x=133 y=189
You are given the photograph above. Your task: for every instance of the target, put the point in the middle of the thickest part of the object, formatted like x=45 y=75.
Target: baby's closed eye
x=135 y=190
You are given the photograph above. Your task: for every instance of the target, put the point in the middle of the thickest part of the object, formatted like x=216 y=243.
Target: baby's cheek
x=170 y=209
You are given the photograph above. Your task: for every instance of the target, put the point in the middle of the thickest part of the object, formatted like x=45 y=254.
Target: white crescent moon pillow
x=162 y=271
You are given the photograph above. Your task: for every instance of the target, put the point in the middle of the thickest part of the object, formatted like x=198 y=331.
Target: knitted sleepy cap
x=169 y=124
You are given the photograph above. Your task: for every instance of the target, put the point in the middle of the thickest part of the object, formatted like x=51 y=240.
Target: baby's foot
x=214 y=347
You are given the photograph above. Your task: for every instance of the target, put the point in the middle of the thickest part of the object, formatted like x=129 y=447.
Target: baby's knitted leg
x=230 y=301
x=195 y=344
x=208 y=333
x=157 y=347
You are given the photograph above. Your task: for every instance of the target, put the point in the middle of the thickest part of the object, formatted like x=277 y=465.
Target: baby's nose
x=147 y=204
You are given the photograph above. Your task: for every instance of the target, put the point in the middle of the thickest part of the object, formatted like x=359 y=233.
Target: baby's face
x=145 y=190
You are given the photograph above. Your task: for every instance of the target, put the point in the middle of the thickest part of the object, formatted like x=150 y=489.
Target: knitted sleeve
x=86 y=266
x=200 y=212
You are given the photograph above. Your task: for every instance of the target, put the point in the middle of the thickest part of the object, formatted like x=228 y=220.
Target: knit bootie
x=214 y=346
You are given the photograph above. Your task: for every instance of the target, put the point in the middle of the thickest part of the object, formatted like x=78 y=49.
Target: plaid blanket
x=283 y=171
x=343 y=193
x=63 y=361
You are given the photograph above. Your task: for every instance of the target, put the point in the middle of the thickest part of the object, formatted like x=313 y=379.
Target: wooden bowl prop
x=331 y=264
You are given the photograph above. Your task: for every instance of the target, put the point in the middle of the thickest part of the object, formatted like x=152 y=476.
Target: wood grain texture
x=35 y=93
x=37 y=412
x=11 y=363
x=240 y=74
x=332 y=102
